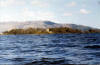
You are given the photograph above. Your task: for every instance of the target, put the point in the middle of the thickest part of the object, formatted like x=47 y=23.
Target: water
x=53 y=49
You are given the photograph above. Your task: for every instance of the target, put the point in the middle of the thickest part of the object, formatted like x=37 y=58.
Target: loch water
x=50 y=49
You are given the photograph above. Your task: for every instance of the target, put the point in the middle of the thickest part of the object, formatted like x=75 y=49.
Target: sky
x=82 y=12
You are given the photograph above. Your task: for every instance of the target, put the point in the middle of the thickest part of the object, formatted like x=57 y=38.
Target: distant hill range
x=6 y=26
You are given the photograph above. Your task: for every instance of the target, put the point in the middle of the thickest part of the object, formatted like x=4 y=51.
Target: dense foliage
x=49 y=31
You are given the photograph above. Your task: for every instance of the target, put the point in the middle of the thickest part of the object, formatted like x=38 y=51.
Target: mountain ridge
x=5 y=26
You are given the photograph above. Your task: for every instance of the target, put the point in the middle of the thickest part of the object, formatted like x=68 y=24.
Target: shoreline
x=49 y=34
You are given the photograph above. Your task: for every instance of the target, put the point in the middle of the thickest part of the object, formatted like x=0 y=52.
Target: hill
x=43 y=27
x=6 y=26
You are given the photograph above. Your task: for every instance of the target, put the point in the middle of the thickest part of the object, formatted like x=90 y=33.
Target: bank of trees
x=49 y=31
x=64 y=30
x=26 y=31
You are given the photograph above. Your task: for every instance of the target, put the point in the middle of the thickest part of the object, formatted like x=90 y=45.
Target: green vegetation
x=48 y=31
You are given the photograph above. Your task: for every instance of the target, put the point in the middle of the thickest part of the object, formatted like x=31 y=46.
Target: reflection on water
x=50 y=49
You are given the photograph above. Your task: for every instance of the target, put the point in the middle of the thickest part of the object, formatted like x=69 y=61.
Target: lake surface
x=52 y=49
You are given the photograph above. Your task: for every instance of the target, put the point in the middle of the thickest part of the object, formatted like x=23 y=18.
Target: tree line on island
x=49 y=31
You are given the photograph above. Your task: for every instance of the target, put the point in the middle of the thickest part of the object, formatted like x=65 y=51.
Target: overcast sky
x=84 y=12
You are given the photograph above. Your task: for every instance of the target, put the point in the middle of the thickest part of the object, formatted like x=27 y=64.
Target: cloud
x=7 y=17
x=37 y=15
x=68 y=14
x=28 y=15
x=72 y=4
x=84 y=11
x=6 y=3
x=21 y=2
x=39 y=3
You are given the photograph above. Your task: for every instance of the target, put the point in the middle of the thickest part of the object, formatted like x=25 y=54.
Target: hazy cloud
x=39 y=3
x=84 y=11
x=72 y=4
x=37 y=15
x=68 y=14
x=7 y=17
x=6 y=3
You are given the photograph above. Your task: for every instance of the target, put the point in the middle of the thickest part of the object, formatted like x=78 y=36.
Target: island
x=43 y=27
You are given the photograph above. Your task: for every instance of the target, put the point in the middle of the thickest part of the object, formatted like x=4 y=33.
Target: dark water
x=53 y=49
